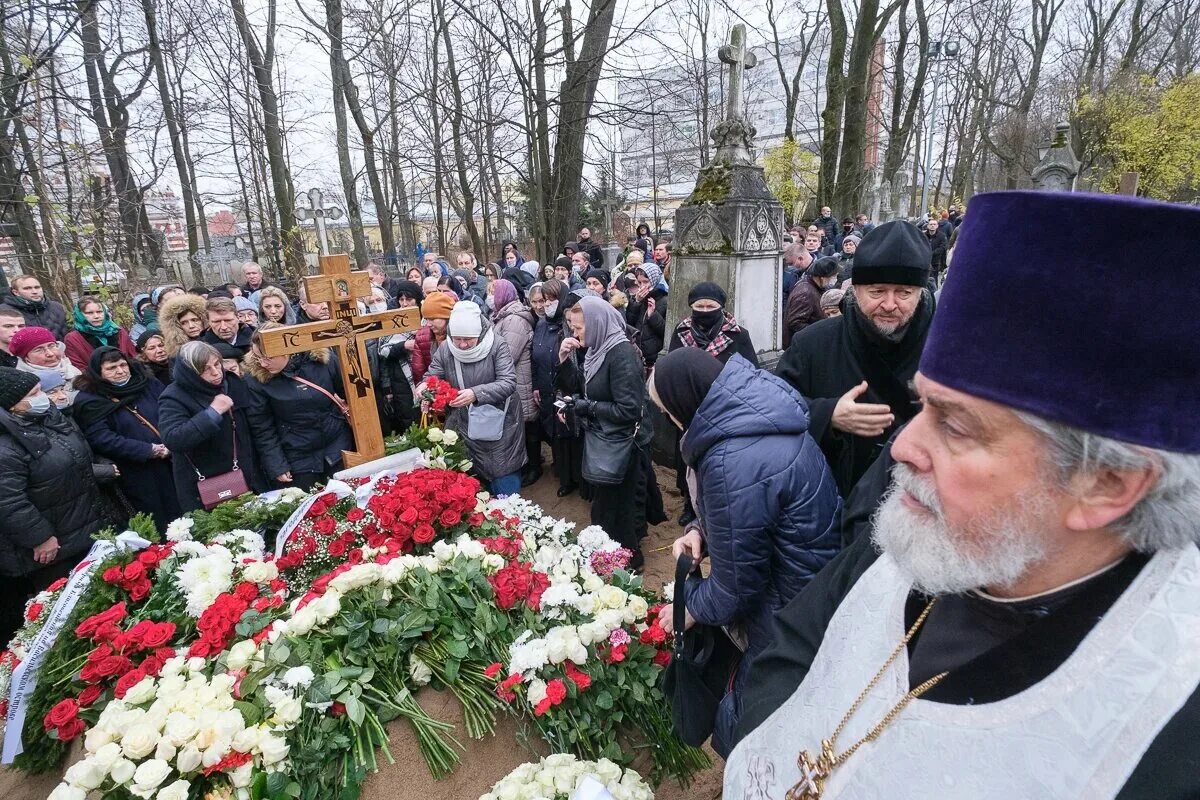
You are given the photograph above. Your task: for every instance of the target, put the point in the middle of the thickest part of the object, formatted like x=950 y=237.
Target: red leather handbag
x=216 y=489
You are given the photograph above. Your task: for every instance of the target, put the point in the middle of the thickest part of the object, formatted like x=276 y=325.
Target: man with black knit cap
x=854 y=370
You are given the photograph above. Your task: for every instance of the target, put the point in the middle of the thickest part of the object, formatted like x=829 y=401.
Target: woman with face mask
x=547 y=337
x=49 y=501
x=712 y=329
x=205 y=423
x=117 y=409
x=514 y=322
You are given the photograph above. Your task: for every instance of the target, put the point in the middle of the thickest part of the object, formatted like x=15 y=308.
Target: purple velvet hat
x=1048 y=309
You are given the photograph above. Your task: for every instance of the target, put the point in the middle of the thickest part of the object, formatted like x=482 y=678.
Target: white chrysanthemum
x=299 y=677
x=180 y=530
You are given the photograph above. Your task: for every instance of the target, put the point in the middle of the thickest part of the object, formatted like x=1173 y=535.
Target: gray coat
x=515 y=323
x=494 y=380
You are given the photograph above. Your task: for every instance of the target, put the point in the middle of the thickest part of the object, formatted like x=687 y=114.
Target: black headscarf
x=110 y=396
x=195 y=386
x=682 y=379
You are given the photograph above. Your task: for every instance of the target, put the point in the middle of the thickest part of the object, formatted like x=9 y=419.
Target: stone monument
x=1058 y=168
x=729 y=230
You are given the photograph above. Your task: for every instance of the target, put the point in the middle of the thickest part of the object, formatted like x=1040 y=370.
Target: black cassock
x=828 y=359
x=992 y=651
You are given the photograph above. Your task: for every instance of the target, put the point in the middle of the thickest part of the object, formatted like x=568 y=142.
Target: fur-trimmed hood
x=255 y=370
x=168 y=319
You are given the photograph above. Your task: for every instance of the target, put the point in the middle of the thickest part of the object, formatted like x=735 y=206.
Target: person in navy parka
x=768 y=506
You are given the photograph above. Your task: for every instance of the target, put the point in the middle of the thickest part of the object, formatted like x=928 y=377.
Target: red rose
x=149 y=558
x=325 y=526
x=662 y=658
x=475 y=520
x=336 y=548
x=424 y=534
x=409 y=516
x=72 y=729
x=337 y=709
x=65 y=711
x=450 y=517
x=158 y=635
x=89 y=695
x=139 y=591
x=134 y=570
x=111 y=575
x=34 y=610
x=113 y=665
x=113 y=614
x=355 y=514
x=128 y=681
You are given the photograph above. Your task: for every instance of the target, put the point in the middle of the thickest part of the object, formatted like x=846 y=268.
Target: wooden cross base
x=340 y=289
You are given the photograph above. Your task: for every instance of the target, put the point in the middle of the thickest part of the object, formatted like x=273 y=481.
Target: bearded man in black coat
x=854 y=370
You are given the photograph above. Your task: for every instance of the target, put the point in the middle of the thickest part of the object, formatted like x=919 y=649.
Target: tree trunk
x=575 y=108
x=466 y=191
x=835 y=102
x=262 y=64
x=187 y=188
x=333 y=27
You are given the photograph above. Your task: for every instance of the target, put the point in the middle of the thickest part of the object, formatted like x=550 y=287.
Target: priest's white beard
x=994 y=549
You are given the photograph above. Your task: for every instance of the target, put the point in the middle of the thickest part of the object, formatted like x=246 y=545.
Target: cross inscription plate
x=347 y=330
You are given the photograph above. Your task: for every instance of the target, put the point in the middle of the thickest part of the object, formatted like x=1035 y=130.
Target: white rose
x=273 y=748
x=450 y=438
x=107 y=755
x=165 y=750
x=65 y=791
x=240 y=655
x=176 y=791
x=150 y=774
x=142 y=692
x=179 y=728
x=86 y=774
x=302 y=621
x=612 y=597
x=139 y=741
x=241 y=776
x=98 y=737
x=247 y=739
x=187 y=760
x=434 y=434
x=298 y=677
x=638 y=607
x=122 y=770
x=260 y=571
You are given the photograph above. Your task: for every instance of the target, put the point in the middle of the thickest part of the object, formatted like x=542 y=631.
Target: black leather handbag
x=703 y=663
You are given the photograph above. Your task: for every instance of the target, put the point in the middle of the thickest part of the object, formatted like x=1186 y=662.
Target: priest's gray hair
x=1167 y=518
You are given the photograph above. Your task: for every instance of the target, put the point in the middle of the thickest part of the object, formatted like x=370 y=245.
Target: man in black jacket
x=854 y=369
x=586 y=245
x=30 y=299
x=224 y=327
x=827 y=223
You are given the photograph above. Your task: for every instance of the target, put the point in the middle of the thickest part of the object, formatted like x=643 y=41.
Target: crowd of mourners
x=98 y=422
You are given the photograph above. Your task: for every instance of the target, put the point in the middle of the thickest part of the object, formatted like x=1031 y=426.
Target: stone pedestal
x=612 y=255
x=730 y=231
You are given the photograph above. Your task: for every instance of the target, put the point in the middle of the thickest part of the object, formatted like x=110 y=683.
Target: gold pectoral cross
x=812 y=774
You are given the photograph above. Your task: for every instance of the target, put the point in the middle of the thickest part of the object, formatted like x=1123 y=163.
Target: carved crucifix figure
x=348 y=331
x=739 y=58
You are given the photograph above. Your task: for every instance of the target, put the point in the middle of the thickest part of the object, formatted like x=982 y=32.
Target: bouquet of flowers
x=559 y=776
x=442 y=448
x=438 y=394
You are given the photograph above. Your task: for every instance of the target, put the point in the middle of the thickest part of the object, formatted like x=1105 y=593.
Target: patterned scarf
x=718 y=343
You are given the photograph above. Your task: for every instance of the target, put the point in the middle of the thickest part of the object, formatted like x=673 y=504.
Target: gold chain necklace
x=814 y=772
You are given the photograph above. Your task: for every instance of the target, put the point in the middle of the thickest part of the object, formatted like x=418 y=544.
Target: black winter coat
x=241 y=342
x=651 y=328
x=199 y=442
x=302 y=429
x=46 y=489
x=47 y=314
x=547 y=336
x=828 y=359
x=147 y=482
x=616 y=394
x=937 y=246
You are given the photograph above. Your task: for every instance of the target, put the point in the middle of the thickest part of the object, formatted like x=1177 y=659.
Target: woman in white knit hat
x=487 y=411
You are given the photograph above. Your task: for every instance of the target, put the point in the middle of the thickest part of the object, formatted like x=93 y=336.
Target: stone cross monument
x=730 y=229
x=318 y=214
x=1059 y=167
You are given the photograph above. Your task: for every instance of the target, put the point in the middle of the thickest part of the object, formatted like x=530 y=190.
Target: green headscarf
x=103 y=332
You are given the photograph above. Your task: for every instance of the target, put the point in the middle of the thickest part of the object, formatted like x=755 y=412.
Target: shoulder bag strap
x=683 y=568
x=233 y=424
x=337 y=401
x=142 y=420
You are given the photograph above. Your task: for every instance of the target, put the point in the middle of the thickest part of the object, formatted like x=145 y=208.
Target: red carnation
x=556 y=691
x=581 y=679
x=58 y=584
x=493 y=669
x=34 y=611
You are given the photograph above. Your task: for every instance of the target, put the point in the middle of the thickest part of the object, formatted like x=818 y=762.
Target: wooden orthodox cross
x=346 y=329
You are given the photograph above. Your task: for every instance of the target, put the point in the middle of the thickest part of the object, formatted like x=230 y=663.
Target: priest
x=1024 y=620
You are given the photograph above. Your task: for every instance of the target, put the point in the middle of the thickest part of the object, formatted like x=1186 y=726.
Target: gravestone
x=730 y=228
x=1058 y=168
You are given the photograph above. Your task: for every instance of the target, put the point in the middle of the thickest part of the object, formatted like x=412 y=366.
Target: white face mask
x=551 y=308
x=39 y=405
x=380 y=306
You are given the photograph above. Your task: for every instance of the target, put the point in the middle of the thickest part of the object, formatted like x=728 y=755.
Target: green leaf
x=457 y=648
x=604 y=699
x=452 y=670
x=250 y=712
x=355 y=709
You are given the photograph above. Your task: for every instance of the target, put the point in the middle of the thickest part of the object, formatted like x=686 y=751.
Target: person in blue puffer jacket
x=768 y=506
